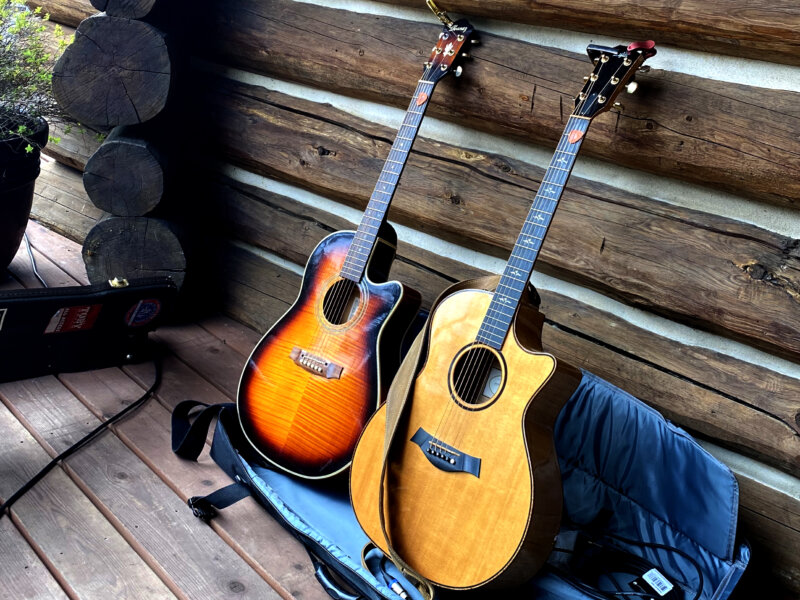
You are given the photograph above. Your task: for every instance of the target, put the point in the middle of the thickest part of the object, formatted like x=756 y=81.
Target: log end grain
x=125 y=177
x=116 y=72
x=133 y=247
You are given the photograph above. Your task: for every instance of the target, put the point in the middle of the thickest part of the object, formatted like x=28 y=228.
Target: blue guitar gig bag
x=645 y=508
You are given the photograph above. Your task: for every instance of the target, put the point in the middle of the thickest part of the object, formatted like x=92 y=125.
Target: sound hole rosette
x=477 y=376
x=342 y=303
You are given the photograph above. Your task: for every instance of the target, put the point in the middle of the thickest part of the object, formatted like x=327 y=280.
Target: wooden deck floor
x=113 y=522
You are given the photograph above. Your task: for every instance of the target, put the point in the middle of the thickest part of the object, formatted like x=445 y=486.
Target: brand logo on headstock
x=458 y=28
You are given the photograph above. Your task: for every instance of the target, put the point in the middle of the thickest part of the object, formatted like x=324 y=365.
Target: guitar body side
x=459 y=530
x=305 y=423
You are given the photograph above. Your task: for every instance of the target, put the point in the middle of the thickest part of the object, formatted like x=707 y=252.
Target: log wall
x=673 y=265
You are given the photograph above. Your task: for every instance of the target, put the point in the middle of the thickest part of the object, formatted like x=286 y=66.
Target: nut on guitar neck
x=315 y=364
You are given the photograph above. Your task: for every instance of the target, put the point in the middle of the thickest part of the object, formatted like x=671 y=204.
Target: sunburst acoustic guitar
x=318 y=374
x=471 y=488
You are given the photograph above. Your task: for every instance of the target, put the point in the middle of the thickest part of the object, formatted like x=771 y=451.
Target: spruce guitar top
x=470 y=494
x=318 y=374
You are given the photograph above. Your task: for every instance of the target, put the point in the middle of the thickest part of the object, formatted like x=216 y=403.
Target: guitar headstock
x=614 y=70
x=451 y=49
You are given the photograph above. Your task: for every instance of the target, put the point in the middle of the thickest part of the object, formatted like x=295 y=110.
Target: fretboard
x=505 y=301
x=375 y=213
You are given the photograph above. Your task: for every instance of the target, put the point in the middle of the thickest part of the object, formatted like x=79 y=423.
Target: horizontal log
x=132 y=247
x=125 y=176
x=116 y=72
x=757 y=29
x=262 y=291
x=701 y=269
x=64 y=12
x=743 y=406
x=739 y=139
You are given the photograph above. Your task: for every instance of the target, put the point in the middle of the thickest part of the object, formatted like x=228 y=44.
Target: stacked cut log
x=118 y=74
x=704 y=271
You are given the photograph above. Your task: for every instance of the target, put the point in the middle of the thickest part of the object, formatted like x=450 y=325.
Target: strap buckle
x=201 y=508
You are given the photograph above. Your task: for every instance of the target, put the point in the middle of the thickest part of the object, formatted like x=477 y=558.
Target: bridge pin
x=452 y=461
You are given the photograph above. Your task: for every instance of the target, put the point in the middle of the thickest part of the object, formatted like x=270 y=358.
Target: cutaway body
x=319 y=373
x=474 y=499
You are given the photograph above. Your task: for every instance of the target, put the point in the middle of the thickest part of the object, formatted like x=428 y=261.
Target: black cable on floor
x=86 y=439
x=33 y=260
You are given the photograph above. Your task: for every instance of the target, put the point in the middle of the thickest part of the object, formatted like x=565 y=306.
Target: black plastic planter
x=18 y=172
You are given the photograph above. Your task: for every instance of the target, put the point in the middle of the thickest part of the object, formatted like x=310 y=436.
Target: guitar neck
x=519 y=268
x=375 y=213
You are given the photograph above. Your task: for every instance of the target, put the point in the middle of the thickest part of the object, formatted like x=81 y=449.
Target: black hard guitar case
x=78 y=328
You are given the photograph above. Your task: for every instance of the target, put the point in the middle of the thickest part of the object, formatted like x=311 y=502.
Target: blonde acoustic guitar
x=472 y=490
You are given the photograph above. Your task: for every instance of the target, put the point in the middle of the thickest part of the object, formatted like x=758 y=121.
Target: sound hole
x=477 y=376
x=341 y=302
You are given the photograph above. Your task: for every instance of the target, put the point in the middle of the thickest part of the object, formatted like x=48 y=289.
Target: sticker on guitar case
x=73 y=318
x=142 y=312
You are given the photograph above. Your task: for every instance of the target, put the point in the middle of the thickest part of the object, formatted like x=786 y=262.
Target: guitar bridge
x=315 y=364
x=446 y=457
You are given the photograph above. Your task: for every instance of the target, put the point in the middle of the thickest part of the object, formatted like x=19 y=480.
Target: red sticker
x=574 y=136
x=73 y=318
x=421 y=98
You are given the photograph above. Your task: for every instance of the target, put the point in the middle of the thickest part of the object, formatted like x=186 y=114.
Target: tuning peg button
x=644 y=69
x=619 y=106
x=458 y=71
x=631 y=87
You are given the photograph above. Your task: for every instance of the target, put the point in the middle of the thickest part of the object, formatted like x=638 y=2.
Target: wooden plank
x=194 y=561
x=245 y=526
x=61 y=203
x=766 y=503
x=722 y=275
x=762 y=30
x=740 y=139
x=76 y=144
x=22 y=574
x=91 y=558
x=62 y=251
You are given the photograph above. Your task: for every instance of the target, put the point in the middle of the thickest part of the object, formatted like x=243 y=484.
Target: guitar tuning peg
x=458 y=71
x=465 y=55
x=474 y=41
x=631 y=87
x=618 y=106
x=644 y=69
x=586 y=78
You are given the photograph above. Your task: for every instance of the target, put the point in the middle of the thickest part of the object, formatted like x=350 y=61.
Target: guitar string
x=487 y=355
x=344 y=292
x=560 y=181
x=537 y=204
x=476 y=362
x=480 y=367
x=340 y=298
x=411 y=120
x=340 y=303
